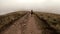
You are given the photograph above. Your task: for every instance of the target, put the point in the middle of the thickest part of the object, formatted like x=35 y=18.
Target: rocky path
x=25 y=25
x=16 y=28
x=31 y=26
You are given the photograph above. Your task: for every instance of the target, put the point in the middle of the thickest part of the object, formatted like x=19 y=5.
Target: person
x=31 y=11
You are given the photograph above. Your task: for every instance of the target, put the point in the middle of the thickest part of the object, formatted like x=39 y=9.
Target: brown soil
x=25 y=25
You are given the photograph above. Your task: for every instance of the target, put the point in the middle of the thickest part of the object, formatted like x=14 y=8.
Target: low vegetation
x=10 y=18
x=52 y=19
x=48 y=19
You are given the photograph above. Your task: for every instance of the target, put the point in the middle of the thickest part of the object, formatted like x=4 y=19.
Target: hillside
x=52 y=19
x=26 y=22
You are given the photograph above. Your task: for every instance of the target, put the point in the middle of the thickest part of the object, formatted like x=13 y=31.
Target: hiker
x=31 y=11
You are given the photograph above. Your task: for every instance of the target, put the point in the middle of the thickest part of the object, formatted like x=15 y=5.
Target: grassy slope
x=52 y=19
x=10 y=17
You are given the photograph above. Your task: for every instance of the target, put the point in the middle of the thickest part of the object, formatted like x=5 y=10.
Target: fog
x=51 y=6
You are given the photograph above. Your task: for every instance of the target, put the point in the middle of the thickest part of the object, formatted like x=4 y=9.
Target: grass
x=52 y=19
x=10 y=17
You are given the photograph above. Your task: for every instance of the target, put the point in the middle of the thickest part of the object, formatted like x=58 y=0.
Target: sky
x=51 y=6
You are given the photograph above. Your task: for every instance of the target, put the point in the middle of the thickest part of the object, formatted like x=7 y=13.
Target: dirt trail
x=31 y=27
x=16 y=27
x=25 y=25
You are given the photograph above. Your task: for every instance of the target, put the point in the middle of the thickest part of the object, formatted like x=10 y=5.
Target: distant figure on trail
x=31 y=11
